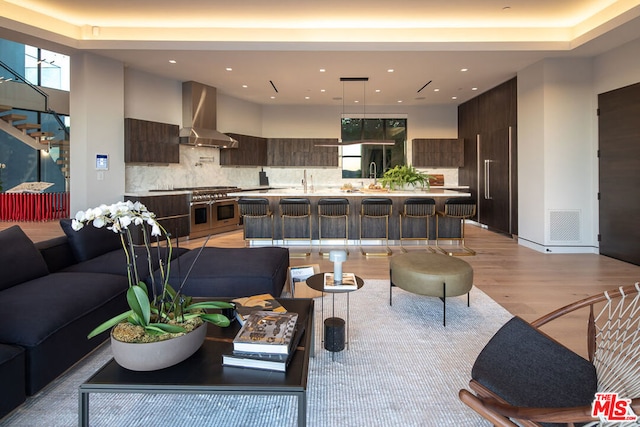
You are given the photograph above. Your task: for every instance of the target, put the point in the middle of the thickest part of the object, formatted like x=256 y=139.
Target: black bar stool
x=296 y=209
x=330 y=209
x=417 y=208
x=254 y=210
x=461 y=208
x=376 y=208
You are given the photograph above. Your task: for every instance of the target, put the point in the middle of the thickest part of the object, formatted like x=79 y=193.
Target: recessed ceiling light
x=399 y=101
x=454 y=97
x=229 y=69
x=322 y=70
x=272 y=97
x=356 y=101
x=322 y=90
x=436 y=90
x=245 y=86
x=307 y=97
x=390 y=70
x=377 y=90
x=464 y=69
x=474 y=88
x=172 y=61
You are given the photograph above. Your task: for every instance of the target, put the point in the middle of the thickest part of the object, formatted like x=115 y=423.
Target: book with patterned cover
x=262 y=302
x=266 y=332
x=348 y=282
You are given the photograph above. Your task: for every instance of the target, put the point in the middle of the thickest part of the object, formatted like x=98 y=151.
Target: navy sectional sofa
x=53 y=293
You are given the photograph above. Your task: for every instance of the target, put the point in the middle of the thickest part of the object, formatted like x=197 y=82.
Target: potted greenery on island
x=152 y=319
x=401 y=177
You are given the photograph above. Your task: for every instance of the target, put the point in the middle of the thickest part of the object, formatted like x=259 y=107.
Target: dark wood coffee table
x=203 y=372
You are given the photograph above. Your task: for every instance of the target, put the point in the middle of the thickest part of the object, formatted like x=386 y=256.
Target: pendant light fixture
x=362 y=140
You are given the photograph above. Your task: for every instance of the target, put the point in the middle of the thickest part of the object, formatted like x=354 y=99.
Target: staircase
x=31 y=134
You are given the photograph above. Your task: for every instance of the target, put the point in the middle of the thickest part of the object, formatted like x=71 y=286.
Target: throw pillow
x=25 y=261
x=90 y=242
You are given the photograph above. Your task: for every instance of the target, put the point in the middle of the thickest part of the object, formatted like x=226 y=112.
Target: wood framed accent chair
x=523 y=377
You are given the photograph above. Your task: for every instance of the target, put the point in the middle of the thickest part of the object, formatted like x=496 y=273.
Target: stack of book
x=348 y=282
x=267 y=340
x=263 y=302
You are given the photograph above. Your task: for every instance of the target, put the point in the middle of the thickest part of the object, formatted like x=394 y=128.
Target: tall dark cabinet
x=488 y=126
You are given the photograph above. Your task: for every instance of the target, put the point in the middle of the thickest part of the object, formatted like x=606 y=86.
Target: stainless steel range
x=212 y=211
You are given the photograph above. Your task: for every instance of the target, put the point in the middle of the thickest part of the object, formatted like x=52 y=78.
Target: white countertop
x=336 y=192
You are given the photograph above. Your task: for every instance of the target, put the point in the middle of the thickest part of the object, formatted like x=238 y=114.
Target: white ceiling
x=287 y=42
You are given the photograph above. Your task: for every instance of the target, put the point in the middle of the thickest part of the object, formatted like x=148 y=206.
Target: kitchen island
x=334 y=230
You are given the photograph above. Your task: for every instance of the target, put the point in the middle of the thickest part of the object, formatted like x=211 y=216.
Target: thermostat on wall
x=102 y=162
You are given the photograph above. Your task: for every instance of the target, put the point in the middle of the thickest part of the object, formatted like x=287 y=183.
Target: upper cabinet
x=302 y=152
x=251 y=151
x=295 y=152
x=150 y=142
x=438 y=153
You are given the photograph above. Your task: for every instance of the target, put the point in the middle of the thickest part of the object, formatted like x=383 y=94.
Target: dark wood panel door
x=494 y=186
x=619 y=140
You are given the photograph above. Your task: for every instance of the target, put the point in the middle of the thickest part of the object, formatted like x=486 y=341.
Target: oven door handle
x=225 y=200
x=200 y=203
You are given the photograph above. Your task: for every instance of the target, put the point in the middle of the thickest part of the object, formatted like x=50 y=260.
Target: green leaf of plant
x=139 y=303
x=216 y=319
x=109 y=324
x=209 y=304
x=167 y=327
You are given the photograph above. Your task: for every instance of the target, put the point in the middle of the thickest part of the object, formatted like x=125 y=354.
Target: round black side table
x=334 y=327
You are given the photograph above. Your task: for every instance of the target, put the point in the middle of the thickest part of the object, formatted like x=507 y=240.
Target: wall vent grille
x=564 y=226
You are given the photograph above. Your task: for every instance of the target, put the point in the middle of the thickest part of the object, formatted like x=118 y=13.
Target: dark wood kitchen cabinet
x=172 y=212
x=151 y=142
x=251 y=151
x=437 y=152
x=488 y=126
x=302 y=152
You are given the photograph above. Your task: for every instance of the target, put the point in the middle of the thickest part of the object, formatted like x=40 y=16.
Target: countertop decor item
x=400 y=177
x=166 y=313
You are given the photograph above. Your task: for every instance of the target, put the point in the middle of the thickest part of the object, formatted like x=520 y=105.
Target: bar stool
x=417 y=207
x=331 y=209
x=295 y=209
x=460 y=208
x=376 y=208
x=255 y=208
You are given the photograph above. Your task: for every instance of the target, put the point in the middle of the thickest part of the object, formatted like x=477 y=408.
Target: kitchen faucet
x=373 y=172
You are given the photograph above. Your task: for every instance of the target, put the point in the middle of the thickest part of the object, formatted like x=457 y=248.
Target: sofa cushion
x=24 y=259
x=90 y=242
x=231 y=272
x=38 y=308
x=115 y=262
x=12 y=373
x=526 y=368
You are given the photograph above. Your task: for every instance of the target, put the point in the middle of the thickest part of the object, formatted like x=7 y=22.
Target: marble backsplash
x=200 y=167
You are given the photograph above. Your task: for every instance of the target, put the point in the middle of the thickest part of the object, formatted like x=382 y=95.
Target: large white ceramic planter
x=157 y=355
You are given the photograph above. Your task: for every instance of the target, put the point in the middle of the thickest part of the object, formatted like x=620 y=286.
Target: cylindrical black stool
x=334 y=334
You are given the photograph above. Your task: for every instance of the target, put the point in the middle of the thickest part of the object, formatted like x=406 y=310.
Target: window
x=358 y=159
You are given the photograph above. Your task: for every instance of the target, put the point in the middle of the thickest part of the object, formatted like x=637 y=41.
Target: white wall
x=556 y=145
x=97 y=108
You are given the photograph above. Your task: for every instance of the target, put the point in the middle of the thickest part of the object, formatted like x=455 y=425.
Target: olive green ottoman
x=434 y=275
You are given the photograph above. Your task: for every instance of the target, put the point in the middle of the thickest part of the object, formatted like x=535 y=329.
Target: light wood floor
x=525 y=282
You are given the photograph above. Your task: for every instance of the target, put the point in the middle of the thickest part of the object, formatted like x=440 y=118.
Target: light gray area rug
x=401 y=368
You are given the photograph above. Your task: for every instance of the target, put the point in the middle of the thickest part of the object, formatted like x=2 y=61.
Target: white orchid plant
x=161 y=313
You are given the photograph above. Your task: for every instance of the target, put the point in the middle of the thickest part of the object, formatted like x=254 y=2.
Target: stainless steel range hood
x=199 y=119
